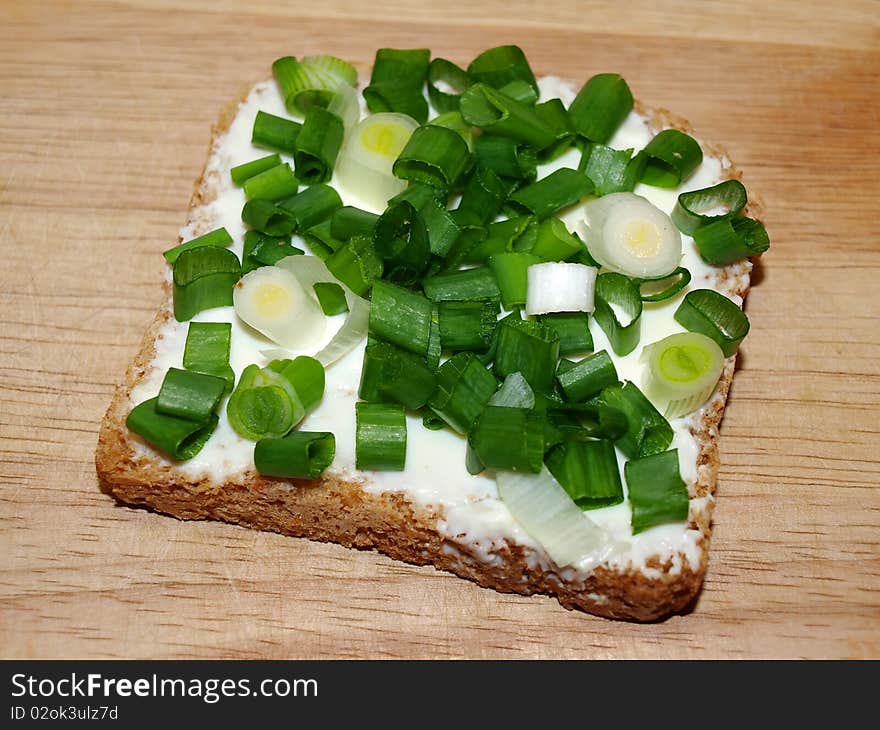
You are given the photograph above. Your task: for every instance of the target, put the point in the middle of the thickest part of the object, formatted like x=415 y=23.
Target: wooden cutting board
x=105 y=110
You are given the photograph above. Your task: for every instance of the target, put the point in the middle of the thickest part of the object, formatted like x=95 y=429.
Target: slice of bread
x=339 y=509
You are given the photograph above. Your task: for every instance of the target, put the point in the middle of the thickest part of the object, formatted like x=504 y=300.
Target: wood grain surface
x=105 y=111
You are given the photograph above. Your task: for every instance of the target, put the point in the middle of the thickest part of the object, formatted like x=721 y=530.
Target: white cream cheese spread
x=472 y=515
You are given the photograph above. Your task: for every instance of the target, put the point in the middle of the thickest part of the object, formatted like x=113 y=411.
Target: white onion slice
x=273 y=301
x=544 y=509
x=368 y=154
x=627 y=234
x=556 y=287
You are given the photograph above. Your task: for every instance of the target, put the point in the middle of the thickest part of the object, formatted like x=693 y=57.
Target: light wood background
x=105 y=111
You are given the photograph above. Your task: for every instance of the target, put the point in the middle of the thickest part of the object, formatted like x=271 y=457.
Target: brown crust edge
x=338 y=511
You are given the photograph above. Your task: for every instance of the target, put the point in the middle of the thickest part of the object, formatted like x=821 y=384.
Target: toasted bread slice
x=338 y=508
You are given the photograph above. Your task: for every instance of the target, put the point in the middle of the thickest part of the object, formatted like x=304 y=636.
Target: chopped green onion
x=498 y=114
x=714 y=315
x=276 y=133
x=455 y=122
x=207 y=350
x=529 y=348
x=467 y=325
x=511 y=272
x=321 y=242
x=219 y=237
x=393 y=375
x=556 y=117
x=464 y=387
x=507 y=157
x=312 y=82
x=262 y=250
x=610 y=169
x=203 y=279
x=471 y=232
x=331 y=297
x=671 y=158
x=656 y=490
x=588 y=377
x=349 y=221
x=647 y=431
x=499 y=66
x=356 y=264
x=431 y=420
x=435 y=347
x=400 y=317
x=380 y=443
x=483 y=195
x=588 y=472
x=273 y=184
x=573 y=329
x=318 y=146
x=267 y=217
x=389 y=97
x=619 y=311
x=729 y=240
x=262 y=405
x=559 y=189
x=560 y=287
x=179 y=438
x=683 y=370
x=305 y=375
x=462 y=286
x=436 y=156
x=585 y=421
x=312 y=206
x=400 y=238
x=508 y=438
x=443 y=231
x=454 y=77
x=397 y=80
x=697 y=208
x=189 y=395
x=554 y=242
x=661 y=288
x=299 y=455
x=600 y=107
x=520 y=91
x=501 y=237
x=242 y=173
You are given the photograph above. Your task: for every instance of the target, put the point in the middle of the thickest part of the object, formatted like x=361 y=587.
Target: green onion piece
x=242 y=173
x=464 y=387
x=311 y=82
x=400 y=238
x=299 y=455
x=656 y=490
x=418 y=194
x=447 y=72
x=179 y=438
x=709 y=205
x=556 y=117
x=467 y=325
x=397 y=80
x=273 y=184
x=455 y=122
x=207 y=350
x=380 y=442
x=312 y=206
x=349 y=221
x=498 y=114
x=390 y=96
x=559 y=189
x=401 y=317
x=529 y=348
x=585 y=421
x=431 y=420
x=671 y=158
x=499 y=66
x=554 y=242
x=356 y=264
x=501 y=237
x=436 y=156
x=483 y=194
x=443 y=231
x=189 y=395
x=508 y=438
x=219 y=237
x=471 y=232
x=393 y=375
x=510 y=271
x=714 y=315
x=623 y=328
x=305 y=375
x=267 y=217
x=330 y=297
x=462 y=286
x=647 y=431
x=203 y=279
x=588 y=377
x=321 y=242
x=729 y=240
x=318 y=146
x=435 y=347
x=588 y=471
x=661 y=288
x=573 y=329
x=507 y=157
x=683 y=370
x=600 y=107
x=262 y=250
x=610 y=169
x=520 y=91
x=276 y=133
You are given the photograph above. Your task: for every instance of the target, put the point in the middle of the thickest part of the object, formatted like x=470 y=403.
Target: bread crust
x=341 y=511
